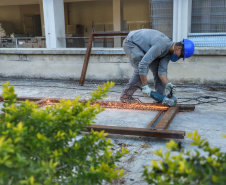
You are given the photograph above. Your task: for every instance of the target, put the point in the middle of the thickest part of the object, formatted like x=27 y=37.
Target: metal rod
x=16 y=43
x=89 y=47
x=138 y=131
x=167 y=118
x=154 y=120
x=111 y=33
x=86 y=61
x=42 y=101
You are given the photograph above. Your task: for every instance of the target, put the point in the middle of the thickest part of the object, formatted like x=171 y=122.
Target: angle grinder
x=169 y=100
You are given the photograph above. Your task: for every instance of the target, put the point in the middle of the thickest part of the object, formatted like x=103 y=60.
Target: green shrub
x=46 y=146
x=188 y=167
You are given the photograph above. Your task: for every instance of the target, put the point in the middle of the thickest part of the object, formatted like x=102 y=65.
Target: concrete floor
x=209 y=119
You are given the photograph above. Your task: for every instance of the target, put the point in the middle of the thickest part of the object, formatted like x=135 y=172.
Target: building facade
x=58 y=32
x=203 y=21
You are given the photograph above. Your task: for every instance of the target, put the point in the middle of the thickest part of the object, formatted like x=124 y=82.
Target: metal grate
x=208 y=27
x=161 y=16
x=208 y=16
x=208 y=39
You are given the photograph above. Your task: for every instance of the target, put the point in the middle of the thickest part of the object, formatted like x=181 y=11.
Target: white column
x=117 y=20
x=54 y=23
x=181 y=19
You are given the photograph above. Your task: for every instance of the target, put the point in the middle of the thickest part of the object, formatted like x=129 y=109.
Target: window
x=208 y=16
x=208 y=24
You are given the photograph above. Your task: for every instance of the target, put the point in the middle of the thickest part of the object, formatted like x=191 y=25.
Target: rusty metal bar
x=86 y=61
x=138 y=131
x=42 y=102
x=29 y=98
x=186 y=108
x=167 y=118
x=159 y=129
x=154 y=120
x=111 y=33
x=89 y=47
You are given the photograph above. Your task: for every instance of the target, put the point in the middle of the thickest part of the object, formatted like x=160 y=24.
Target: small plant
x=45 y=146
x=188 y=167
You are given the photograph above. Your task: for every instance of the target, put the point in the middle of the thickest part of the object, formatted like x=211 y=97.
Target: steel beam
x=150 y=125
x=138 y=131
x=42 y=102
x=167 y=118
x=89 y=47
x=86 y=61
x=162 y=123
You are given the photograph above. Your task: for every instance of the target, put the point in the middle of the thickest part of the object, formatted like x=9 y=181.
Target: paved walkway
x=209 y=119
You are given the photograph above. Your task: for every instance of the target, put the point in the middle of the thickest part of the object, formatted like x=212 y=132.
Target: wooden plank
x=86 y=61
x=138 y=131
x=154 y=120
x=167 y=118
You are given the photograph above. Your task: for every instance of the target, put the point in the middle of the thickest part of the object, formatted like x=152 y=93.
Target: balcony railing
x=23 y=42
x=71 y=42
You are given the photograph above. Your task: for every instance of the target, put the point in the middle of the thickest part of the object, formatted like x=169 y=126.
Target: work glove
x=146 y=90
x=170 y=87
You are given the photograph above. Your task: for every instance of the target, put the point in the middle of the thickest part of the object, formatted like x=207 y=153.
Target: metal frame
x=89 y=47
x=157 y=127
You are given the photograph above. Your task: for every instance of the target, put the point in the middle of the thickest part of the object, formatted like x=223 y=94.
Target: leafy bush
x=46 y=146
x=188 y=167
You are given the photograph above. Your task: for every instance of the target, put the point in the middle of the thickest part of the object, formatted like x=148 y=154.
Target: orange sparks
x=119 y=105
x=138 y=106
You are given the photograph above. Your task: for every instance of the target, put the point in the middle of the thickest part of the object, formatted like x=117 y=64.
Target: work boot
x=128 y=99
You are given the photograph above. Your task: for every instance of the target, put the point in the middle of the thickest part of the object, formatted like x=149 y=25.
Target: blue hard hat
x=189 y=48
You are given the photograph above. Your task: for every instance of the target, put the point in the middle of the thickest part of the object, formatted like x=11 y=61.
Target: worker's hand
x=170 y=87
x=146 y=90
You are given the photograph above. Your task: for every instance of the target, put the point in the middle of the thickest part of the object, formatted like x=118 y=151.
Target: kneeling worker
x=151 y=49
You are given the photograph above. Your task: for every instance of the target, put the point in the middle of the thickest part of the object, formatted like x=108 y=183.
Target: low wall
x=206 y=66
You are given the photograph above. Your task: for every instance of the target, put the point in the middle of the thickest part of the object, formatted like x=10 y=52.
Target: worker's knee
x=160 y=73
x=137 y=54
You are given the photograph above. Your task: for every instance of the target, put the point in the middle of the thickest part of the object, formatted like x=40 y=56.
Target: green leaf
x=172 y=145
x=159 y=152
x=201 y=165
x=42 y=145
